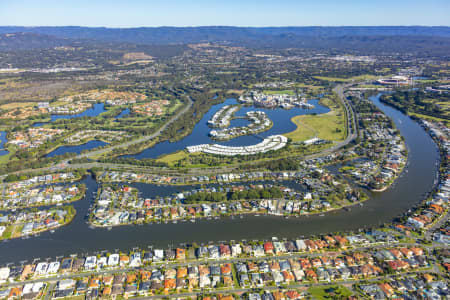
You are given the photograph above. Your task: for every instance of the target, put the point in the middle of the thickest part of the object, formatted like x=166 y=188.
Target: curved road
x=143 y=138
x=339 y=90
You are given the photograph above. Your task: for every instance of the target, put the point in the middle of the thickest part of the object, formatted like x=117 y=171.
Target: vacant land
x=36 y=90
x=14 y=105
x=340 y=79
x=174 y=157
x=232 y=91
x=329 y=292
x=330 y=126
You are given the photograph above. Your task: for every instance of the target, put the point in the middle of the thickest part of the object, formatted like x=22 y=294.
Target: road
x=351 y=115
x=141 y=139
x=196 y=262
x=339 y=90
x=49 y=293
x=275 y=288
x=429 y=232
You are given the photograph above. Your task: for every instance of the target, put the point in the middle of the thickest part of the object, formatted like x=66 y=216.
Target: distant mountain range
x=184 y=35
x=378 y=39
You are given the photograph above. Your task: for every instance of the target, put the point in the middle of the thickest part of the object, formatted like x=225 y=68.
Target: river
x=77 y=237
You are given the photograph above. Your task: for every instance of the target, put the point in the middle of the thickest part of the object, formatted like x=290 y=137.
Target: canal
x=92 y=144
x=416 y=180
x=94 y=111
x=3 y=141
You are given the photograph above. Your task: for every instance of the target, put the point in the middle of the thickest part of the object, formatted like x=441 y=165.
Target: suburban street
x=196 y=262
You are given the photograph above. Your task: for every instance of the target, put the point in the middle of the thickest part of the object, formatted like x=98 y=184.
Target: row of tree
x=251 y=194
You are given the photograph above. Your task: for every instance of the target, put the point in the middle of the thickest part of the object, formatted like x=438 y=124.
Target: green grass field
x=330 y=126
x=335 y=292
x=339 y=79
x=173 y=157
x=370 y=86
x=426 y=117
x=308 y=86
x=275 y=92
x=5 y=158
x=12 y=231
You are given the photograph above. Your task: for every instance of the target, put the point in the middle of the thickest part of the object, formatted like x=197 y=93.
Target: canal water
x=3 y=141
x=123 y=113
x=76 y=149
x=409 y=189
x=280 y=118
x=94 y=111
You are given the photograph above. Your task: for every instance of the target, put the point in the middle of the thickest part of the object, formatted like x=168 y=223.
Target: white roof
x=4 y=273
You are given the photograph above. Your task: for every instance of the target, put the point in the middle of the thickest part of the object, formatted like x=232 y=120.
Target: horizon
x=202 y=13
x=226 y=26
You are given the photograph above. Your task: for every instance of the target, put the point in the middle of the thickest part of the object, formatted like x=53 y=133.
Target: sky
x=255 y=13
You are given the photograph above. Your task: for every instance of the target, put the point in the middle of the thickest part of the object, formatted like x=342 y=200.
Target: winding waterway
x=94 y=111
x=123 y=113
x=3 y=141
x=409 y=189
x=77 y=148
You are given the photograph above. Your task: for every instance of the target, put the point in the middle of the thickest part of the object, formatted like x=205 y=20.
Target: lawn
x=309 y=86
x=275 y=92
x=421 y=116
x=370 y=86
x=172 y=158
x=5 y=158
x=339 y=79
x=303 y=131
x=330 y=292
x=12 y=231
x=330 y=126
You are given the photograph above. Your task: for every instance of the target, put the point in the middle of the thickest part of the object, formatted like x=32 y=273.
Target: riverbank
x=20 y=198
x=121 y=204
x=38 y=222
